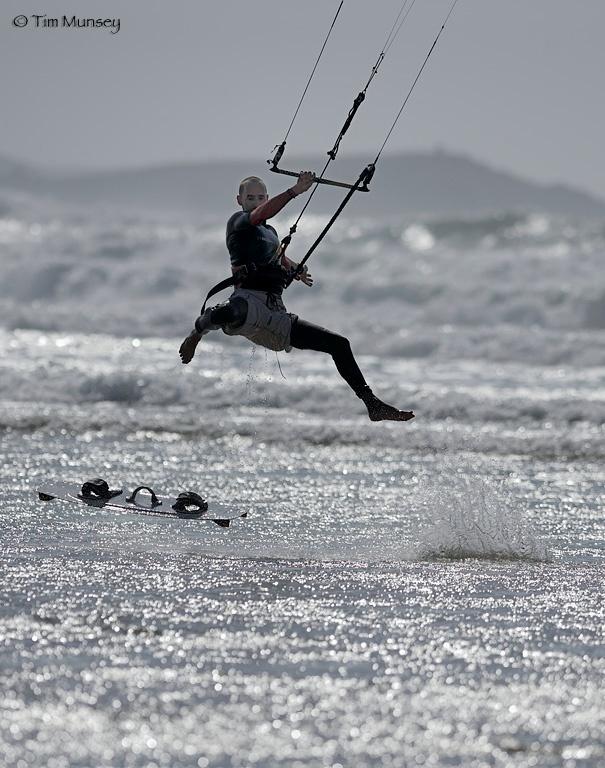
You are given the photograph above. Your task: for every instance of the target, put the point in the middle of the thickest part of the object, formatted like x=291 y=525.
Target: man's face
x=254 y=194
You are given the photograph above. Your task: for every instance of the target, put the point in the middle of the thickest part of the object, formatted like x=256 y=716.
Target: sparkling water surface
x=427 y=593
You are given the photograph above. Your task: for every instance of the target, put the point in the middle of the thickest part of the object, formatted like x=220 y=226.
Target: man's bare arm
x=274 y=205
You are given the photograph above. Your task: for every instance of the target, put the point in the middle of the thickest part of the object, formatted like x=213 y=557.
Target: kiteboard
x=143 y=500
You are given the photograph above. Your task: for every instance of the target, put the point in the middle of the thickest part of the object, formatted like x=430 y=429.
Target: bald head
x=250 y=180
x=252 y=192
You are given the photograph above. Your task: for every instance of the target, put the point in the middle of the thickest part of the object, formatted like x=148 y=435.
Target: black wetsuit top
x=256 y=245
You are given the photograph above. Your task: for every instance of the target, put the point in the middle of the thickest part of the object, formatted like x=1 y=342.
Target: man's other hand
x=305 y=277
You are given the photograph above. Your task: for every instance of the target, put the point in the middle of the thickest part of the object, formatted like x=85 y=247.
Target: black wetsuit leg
x=306 y=335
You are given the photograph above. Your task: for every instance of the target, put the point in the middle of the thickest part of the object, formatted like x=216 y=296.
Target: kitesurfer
x=256 y=310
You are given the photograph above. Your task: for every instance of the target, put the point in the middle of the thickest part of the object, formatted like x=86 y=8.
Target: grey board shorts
x=267 y=322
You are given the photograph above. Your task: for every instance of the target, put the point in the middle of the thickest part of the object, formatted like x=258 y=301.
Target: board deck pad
x=217 y=512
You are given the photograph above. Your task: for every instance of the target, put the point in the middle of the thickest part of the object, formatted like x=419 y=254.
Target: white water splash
x=476 y=518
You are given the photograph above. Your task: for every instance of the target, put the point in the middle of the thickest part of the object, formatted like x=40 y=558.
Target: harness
x=242 y=273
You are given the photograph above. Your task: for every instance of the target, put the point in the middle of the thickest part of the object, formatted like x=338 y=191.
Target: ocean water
x=428 y=593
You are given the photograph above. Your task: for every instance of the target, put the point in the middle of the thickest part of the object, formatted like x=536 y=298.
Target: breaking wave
x=501 y=288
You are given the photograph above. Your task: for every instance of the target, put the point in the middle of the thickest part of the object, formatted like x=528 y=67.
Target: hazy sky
x=517 y=83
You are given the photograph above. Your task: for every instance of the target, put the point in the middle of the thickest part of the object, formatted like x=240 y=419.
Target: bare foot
x=188 y=347
x=379 y=411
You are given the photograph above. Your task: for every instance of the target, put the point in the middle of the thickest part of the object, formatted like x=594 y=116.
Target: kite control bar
x=318 y=179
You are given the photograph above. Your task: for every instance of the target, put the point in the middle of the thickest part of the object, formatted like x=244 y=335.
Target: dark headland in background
x=437 y=182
